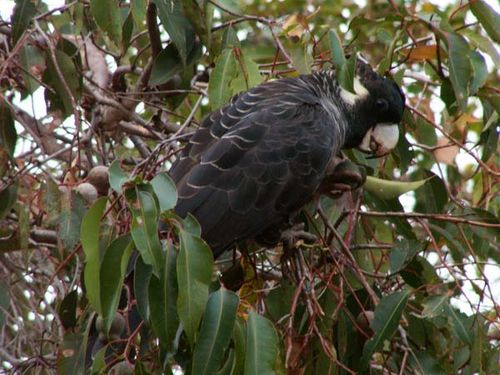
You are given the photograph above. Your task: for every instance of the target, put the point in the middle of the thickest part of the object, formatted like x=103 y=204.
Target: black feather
x=260 y=158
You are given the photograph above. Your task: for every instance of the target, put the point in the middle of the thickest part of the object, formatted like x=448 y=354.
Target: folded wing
x=252 y=164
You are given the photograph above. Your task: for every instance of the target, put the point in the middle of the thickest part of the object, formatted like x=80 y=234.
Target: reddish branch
x=439 y=217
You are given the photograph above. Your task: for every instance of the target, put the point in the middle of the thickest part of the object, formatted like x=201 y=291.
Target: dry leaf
x=445 y=154
x=420 y=53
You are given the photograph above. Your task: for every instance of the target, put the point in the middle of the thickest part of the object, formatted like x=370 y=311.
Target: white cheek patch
x=360 y=92
x=384 y=138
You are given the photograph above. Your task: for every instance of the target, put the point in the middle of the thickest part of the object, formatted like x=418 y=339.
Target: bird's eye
x=382 y=105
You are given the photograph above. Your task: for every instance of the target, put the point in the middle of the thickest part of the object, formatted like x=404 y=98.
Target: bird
x=256 y=161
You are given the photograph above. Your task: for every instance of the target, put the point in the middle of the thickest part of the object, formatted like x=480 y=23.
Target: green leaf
x=460 y=358
x=108 y=17
x=345 y=335
x=224 y=72
x=72 y=50
x=247 y=75
x=450 y=233
x=433 y=196
x=24 y=225
x=138 y=8
x=403 y=252
x=8 y=197
x=420 y=272
x=164 y=188
x=488 y=18
x=384 y=324
x=402 y=226
x=230 y=38
x=200 y=14
x=300 y=53
x=62 y=23
x=425 y=132
x=162 y=300
x=461 y=324
x=479 y=351
x=434 y=305
x=4 y=301
x=8 y=138
x=144 y=228
x=70 y=221
x=215 y=332
x=279 y=300
x=482 y=42
x=127 y=30
x=59 y=97
x=459 y=66
x=447 y=95
x=262 y=346
x=386 y=189
x=67 y=310
x=24 y=12
x=194 y=271
x=89 y=235
x=336 y=49
x=71 y=355
x=32 y=60
x=177 y=26
x=480 y=72
x=142 y=277
x=8 y=134
x=51 y=198
x=228 y=364
x=347 y=72
x=117 y=177
x=191 y=225
x=98 y=362
x=167 y=64
x=426 y=362
x=112 y=273
x=239 y=339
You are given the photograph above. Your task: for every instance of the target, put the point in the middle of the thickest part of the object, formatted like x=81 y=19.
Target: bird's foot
x=295 y=233
x=345 y=176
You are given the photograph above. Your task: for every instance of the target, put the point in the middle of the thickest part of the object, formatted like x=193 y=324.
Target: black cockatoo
x=256 y=161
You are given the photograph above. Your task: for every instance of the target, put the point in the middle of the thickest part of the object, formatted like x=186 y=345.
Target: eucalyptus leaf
x=108 y=16
x=144 y=229
x=460 y=67
x=488 y=18
x=384 y=324
x=386 y=189
x=194 y=271
x=165 y=191
x=111 y=276
x=215 y=332
x=224 y=72
x=262 y=346
x=90 y=239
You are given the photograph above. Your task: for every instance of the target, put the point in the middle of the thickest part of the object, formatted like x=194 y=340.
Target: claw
x=345 y=176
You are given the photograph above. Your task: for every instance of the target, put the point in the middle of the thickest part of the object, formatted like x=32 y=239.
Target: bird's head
x=377 y=108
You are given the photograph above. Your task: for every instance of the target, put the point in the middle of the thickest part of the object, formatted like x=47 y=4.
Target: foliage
x=380 y=285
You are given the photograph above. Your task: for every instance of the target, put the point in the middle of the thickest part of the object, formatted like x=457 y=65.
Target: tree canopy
x=97 y=97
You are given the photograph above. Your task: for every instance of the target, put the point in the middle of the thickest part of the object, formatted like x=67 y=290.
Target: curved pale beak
x=380 y=139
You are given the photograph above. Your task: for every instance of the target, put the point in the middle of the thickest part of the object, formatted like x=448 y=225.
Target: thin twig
x=439 y=217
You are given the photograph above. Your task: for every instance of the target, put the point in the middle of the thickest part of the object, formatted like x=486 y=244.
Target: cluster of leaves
x=374 y=288
x=192 y=316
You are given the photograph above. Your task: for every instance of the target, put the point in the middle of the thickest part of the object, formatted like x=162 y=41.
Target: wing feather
x=253 y=163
